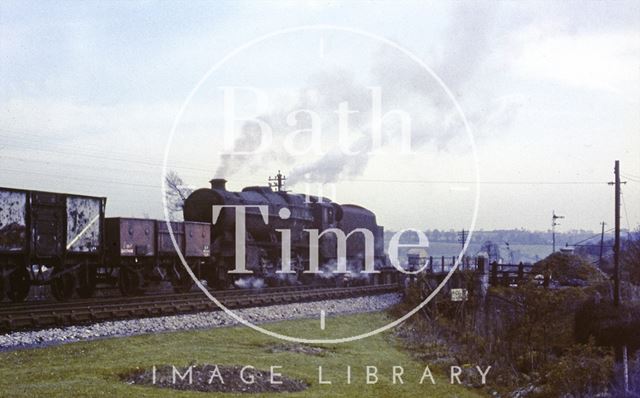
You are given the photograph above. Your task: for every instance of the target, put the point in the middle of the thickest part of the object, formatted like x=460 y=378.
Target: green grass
x=93 y=368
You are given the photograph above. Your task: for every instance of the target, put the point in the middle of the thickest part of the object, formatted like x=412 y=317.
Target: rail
x=37 y=316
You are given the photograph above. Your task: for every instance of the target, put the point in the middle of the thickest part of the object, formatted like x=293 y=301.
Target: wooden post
x=520 y=273
x=547 y=278
x=616 y=244
x=442 y=265
x=494 y=274
x=431 y=264
x=480 y=264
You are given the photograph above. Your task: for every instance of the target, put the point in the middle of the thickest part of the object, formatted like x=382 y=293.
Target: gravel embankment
x=202 y=320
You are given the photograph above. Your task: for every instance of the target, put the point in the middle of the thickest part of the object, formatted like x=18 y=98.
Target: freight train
x=65 y=241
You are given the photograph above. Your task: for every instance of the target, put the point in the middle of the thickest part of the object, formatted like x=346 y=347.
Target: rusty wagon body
x=50 y=238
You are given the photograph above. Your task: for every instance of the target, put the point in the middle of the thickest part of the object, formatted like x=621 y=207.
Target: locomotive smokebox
x=219 y=183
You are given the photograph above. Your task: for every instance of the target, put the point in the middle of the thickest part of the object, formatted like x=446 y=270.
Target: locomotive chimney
x=219 y=183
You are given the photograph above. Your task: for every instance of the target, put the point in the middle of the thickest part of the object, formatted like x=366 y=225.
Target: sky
x=90 y=93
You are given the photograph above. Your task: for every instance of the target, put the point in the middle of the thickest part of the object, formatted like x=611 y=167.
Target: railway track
x=29 y=316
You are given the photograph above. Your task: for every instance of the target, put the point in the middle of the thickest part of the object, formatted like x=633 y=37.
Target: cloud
x=594 y=61
x=405 y=85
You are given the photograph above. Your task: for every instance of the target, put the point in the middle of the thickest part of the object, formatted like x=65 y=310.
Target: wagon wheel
x=183 y=285
x=86 y=277
x=19 y=283
x=1 y=283
x=129 y=281
x=62 y=284
x=182 y=281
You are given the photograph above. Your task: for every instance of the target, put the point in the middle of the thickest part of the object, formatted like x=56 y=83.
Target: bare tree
x=176 y=193
x=492 y=250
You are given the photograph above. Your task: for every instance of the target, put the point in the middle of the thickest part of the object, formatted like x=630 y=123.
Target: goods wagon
x=49 y=238
x=142 y=252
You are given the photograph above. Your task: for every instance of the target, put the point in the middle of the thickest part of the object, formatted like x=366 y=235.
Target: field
x=525 y=253
x=94 y=368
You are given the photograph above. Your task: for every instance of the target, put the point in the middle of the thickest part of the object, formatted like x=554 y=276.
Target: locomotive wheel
x=62 y=285
x=273 y=282
x=307 y=279
x=19 y=284
x=225 y=283
x=212 y=281
x=86 y=281
x=129 y=282
x=223 y=280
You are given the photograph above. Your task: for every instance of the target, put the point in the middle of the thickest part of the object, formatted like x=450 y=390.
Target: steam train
x=65 y=241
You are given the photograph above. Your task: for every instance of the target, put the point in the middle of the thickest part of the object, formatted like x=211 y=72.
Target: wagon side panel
x=165 y=244
x=198 y=239
x=84 y=224
x=47 y=213
x=13 y=221
x=139 y=237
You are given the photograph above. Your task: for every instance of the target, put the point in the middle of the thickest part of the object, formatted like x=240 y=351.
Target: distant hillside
x=513 y=245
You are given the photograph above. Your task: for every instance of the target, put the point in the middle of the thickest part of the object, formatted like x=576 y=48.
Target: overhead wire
x=591 y=237
x=136 y=158
x=489 y=182
x=99 y=154
x=124 y=157
x=631 y=178
x=624 y=206
x=68 y=177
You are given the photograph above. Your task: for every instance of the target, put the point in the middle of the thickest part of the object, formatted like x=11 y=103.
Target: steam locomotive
x=65 y=241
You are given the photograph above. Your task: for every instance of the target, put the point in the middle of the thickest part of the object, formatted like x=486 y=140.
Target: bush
x=608 y=324
x=568 y=269
x=537 y=323
x=528 y=334
x=583 y=371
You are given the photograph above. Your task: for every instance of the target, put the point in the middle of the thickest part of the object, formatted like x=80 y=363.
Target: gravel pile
x=200 y=320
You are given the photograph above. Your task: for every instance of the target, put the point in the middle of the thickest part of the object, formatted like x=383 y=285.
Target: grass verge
x=93 y=368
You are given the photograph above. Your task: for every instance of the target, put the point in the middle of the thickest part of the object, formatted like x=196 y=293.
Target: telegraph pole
x=554 y=217
x=616 y=244
x=462 y=236
x=601 y=244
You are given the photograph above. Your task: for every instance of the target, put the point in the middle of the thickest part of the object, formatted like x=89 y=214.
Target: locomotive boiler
x=296 y=213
